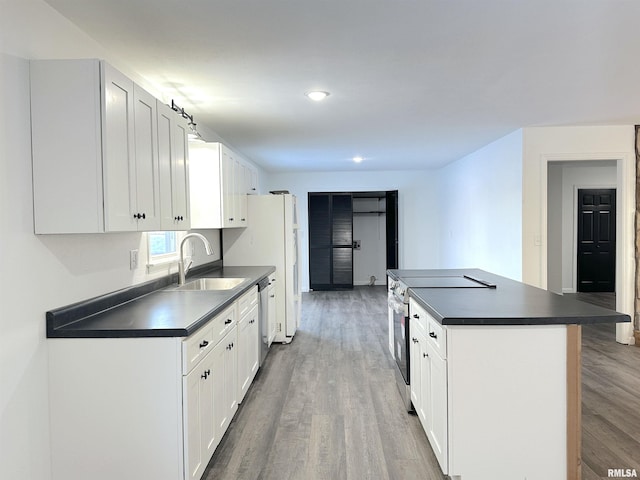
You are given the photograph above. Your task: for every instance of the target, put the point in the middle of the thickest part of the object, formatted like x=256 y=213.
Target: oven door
x=401 y=339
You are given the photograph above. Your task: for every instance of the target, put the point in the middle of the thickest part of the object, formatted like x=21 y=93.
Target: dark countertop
x=510 y=303
x=162 y=312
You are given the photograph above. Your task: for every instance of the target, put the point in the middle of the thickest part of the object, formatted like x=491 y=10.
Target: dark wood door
x=392 y=229
x=596 y=240
x=330 y=241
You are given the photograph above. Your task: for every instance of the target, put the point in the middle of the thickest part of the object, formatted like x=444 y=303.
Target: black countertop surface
x=509 y=303
x=163 y=312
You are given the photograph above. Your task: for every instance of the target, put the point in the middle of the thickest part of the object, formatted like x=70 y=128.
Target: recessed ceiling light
x=358 y=159
x=317 y=95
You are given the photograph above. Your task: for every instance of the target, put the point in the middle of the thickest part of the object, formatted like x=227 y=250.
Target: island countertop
x=509 y=303
x=162 y=311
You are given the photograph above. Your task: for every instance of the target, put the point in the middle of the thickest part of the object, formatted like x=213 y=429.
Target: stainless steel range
x=398 y=301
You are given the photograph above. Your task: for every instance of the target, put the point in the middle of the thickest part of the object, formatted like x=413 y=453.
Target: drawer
x=195 y=347
x=223 y=322
x=437 y=336
x=247 y=301
x=418 y=317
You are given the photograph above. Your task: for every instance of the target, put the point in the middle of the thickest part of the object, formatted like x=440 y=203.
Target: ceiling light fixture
x=193 y=133
x=317 y=95
x=358 y=159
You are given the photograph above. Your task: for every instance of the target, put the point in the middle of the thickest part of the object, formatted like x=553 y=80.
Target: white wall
x=40 y=273
x=417 y=208
x=370 y=230
x=480 y=205
x=544 y=145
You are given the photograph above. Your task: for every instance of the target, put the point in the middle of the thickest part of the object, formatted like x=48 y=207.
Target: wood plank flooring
x=327 y=407
x=610 y=398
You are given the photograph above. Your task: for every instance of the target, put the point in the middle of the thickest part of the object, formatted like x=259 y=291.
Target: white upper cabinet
x=217 y=189
x=173 y=155
x=95 y=150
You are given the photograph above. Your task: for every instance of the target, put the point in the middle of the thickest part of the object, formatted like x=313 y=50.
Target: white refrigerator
x=271 y=238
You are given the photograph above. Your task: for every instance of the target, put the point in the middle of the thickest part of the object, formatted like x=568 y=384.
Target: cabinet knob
x=228 y=321
x=205 y=374
x=204 y=344
x=433 y=335
x=144 y=216
x=273 y=296
x=415 y=315
x=243 y=219
x=253 y=189
x=181 y=218
x=231 y=219
x=424 y=355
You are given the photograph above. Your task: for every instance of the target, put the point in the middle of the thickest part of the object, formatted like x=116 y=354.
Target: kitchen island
x=495 y=372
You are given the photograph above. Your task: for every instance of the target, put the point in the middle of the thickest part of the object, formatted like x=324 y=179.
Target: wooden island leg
x=574 y=402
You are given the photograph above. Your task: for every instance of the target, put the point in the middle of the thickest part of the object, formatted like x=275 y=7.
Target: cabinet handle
x=231 y=219
x=433 y=335
x=144 y=216
x=253 y=189
x=424 y=355
x=415 y=315
x=243 y=219
x=273 y=296
x=205 y=374
x=228 y=321
x=231 y=344
x=204 y=344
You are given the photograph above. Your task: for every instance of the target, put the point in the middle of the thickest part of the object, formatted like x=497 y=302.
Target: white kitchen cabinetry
x=218 y=197
x=225 y=374
x=95 y=150
x=158 y=405
x=429 y=379
x=248 y=341
x=173 y=155
x=471 y=384
x=95 y=145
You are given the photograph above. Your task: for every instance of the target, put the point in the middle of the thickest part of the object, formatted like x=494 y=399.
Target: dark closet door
x=330 y=241
x=596 y=240
x=392 y=229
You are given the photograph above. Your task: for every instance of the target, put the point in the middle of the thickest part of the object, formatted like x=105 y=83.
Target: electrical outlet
x=133 y=259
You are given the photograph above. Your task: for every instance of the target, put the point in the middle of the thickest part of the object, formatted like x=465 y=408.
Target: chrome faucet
x=182 y=269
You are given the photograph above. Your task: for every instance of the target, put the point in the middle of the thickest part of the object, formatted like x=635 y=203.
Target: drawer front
x=418 y=317
x=247 y=301
x=437 y=336
x=195 y=347
x=224 y=322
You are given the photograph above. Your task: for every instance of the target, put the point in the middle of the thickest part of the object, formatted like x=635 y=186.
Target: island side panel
x=116 y=408
x=507 y=402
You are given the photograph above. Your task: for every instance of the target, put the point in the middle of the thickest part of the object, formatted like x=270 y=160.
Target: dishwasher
x=263 y=319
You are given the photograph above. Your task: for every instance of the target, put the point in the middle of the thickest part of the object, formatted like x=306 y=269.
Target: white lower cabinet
x=200 y=435
x=248 y=351
x=429 y=381
x=486 y=393
x=150 y=407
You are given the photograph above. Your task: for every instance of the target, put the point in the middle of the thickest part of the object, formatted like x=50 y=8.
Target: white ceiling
x=414 y=83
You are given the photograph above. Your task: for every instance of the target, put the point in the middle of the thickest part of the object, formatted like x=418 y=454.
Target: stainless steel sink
x=212 y=284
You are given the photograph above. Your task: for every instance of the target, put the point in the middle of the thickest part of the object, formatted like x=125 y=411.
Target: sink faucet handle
x=188 y=266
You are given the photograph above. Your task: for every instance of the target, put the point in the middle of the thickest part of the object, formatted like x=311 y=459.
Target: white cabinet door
x=173 y=168
x=224 y=371
x=180 y=174
x=118 y=151
x=240 y=192
x=228 y=189
x=147 y=181
x=200 y=433
x=438 y=411
x=248 y=351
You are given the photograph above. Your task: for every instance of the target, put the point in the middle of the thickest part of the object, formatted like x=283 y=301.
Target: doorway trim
x=625 y=252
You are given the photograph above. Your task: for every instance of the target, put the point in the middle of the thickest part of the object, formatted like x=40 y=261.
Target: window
x=163 y=248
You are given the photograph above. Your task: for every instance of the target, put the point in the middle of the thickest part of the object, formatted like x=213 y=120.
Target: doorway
x=353 y=238
x=596 y=240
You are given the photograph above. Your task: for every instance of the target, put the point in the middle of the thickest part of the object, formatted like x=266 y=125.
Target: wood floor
x=610 y=398
x=327 y=407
